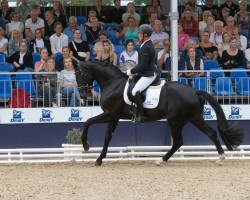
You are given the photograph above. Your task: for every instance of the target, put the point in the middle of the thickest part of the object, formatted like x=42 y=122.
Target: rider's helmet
x=145 y=28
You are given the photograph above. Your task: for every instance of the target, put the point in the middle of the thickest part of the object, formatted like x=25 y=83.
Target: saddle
x=132 y=83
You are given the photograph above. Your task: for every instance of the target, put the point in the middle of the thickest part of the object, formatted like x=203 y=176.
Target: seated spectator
x=156 y=7
x=130 y=31
x=59 y=13
x=107 y=53
x=23 y=10
x=193 y=63
x=209 y=51
x=241 y=39
x=58 y=40
x=146 y=15
x=21 y=60
x=193 y=44
x=203 y=23
x=167 y=25
x=69 y=31
x=50 y=21
x=33 y=23
x=152 y=18
x=214 y=9
x=129 y=57
x=229 y=26
x=216 y=36
x=167 y=66
x=131 y=13
x=210 y=24
x=79 y=48
x=38 y=43
x=65 y=54
x=69 y=84
x=117 y=12
x=99 y=44
x=164 y=53
x=224 y=15
x=3 y=43
x=40 y=13
x=14 y=24
x=92 y=30
x=190 y=26
x=224 y=45
x=232 y=57
x=158 y=36
x=5 y=11
x=182 y=39
x=101 y=13
x=91 y=14
x=14 y=42
x=47 y=84
x=39 y=65
x=233 y=8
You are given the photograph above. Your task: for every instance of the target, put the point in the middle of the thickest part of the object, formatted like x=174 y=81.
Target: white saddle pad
x=152 y=95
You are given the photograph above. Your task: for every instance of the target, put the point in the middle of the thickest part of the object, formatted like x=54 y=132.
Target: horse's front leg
x=108 y=136
x=102 y=118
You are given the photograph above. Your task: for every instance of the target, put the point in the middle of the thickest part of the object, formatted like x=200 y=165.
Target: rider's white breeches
x=143 y=83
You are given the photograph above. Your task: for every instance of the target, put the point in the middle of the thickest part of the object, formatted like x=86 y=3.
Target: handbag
x=80 y=53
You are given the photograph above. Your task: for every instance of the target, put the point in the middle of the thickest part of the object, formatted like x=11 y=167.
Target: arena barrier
x=129 y=153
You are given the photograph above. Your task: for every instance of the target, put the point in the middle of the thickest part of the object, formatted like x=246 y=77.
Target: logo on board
x=75 y=115
x=17 y=116
x=46 y=116
x=207 y=113
x=235 y=113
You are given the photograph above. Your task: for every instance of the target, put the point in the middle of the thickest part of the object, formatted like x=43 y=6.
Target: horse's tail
x=231 y=136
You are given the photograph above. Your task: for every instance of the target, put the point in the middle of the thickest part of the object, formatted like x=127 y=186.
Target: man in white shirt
x=58 y=40
x=216 y=36
x=33 y=23
x=158 y=36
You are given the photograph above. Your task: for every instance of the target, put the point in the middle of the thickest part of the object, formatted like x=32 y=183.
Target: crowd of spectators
x=204 y=33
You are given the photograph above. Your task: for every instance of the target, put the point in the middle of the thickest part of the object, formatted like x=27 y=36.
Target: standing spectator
x=107 y=53
x=210 y=24
x=69 y=31
x=117 y=12
x=216 y=36
x=129 y=57
x=214 y=9
x=182 y=39
x=131 y=13
x=22 y=60
x=32 y=24
x=209 y=51
x=14 y=42
x=5 y=11
x=190 y=26
x=59 y=13
x=241 y=39
x=50 y=21
x=224 y=45
x=234 y=8
x=158 y=36
x=39 y=65
x=79 y=48
x=38 y=43
x=92 y=30
x=203 y=23
x=99 y=44
x=69 y=84
x=47 y=84
x=101 y=13
x=164 y=53
x=224 y=15
x=130 y=31
x=193 y=63
x=14 y=24
x=58 y=40
x=23 y=10
x=232 y=57
x=3 y=43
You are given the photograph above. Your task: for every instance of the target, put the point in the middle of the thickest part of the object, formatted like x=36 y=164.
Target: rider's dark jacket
x=146 y=62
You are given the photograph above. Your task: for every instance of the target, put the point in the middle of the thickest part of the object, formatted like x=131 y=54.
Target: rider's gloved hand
x=129 y=72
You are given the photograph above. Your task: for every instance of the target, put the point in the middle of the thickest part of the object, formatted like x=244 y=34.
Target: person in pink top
x=182 y=39
x=44 y=58
x=190 y=26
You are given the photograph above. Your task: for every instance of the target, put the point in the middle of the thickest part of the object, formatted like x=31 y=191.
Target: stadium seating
x=5 y=86
x=36 y=58
x=211 y=64
x=26 y=82
x=6 y=67
x=243 y=86
x=2 y=57
x=200 y=83
x=110 y=26
x=183 y=80
x=224 y=86
x=236 y=73
x=81 y=20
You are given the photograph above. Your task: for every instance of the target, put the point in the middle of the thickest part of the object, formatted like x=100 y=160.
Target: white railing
x=130 y=153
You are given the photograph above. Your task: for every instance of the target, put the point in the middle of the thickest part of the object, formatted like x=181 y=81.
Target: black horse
x=179 y=104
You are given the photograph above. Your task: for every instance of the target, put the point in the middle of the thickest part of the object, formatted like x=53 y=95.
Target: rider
x=146 y=68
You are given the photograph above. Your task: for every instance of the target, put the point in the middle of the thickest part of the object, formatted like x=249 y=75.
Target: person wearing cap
x=145 y=69
x=224 y=15
x=233 y=8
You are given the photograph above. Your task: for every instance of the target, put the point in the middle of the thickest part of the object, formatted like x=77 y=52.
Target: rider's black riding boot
x=140 y=112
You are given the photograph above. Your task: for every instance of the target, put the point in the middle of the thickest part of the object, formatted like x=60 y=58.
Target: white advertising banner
x=81 y=114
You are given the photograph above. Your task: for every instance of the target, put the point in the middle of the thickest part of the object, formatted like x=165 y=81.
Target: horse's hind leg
x=108 y=136
x=211 y=133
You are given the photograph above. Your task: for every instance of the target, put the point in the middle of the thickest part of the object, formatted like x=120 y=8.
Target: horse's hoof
x=86 y=146
x=98 y=163
x=158 y=162
x=221 y=160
